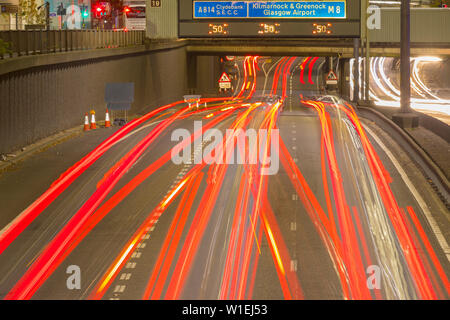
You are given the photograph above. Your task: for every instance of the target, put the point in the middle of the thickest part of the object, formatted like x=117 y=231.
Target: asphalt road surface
x=304 y=201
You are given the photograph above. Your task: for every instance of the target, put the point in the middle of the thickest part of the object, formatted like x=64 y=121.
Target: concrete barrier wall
x=40 y=101
x=208 y=74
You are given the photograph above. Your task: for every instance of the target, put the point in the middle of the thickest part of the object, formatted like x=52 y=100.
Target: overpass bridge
x=310 y=47
x=428 y=37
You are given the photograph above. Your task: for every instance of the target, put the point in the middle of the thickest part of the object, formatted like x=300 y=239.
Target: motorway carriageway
x=339 y=209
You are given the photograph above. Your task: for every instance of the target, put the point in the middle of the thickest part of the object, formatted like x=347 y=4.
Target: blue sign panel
x=297 y=9
x=220 y=9
x=271 y=9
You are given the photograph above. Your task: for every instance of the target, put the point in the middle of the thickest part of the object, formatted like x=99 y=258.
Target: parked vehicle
x=134 y=15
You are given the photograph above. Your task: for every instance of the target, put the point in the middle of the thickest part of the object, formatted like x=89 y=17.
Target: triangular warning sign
x=224 y=78
x=331 y=75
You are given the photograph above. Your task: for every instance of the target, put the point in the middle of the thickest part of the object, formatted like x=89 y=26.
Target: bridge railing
x=16 y=43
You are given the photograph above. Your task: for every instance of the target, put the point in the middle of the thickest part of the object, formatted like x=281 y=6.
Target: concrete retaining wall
x=39 y=101
x=162 y=22
x=208 y=74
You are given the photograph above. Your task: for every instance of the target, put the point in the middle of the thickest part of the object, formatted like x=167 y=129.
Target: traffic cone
x=86 y=122
x=107 y=121
x=93 y=124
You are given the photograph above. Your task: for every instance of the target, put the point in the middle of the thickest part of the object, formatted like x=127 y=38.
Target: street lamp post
x=405 y=118
x=405 y=65
x=365 y=53
x=356 y=70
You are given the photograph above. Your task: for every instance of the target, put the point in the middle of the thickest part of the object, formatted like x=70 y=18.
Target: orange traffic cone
x=86 y=122
x=107 y=121
x=93 y=124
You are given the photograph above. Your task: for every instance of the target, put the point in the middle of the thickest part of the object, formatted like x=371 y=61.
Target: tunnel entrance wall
x=40 y=101
x=208 y=74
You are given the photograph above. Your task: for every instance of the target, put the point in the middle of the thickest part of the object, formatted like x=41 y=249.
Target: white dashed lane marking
x=120 y=288
x=293 y=265
x=293 y=226
x=125 y=276
x=141 y=245
x=136 y=255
